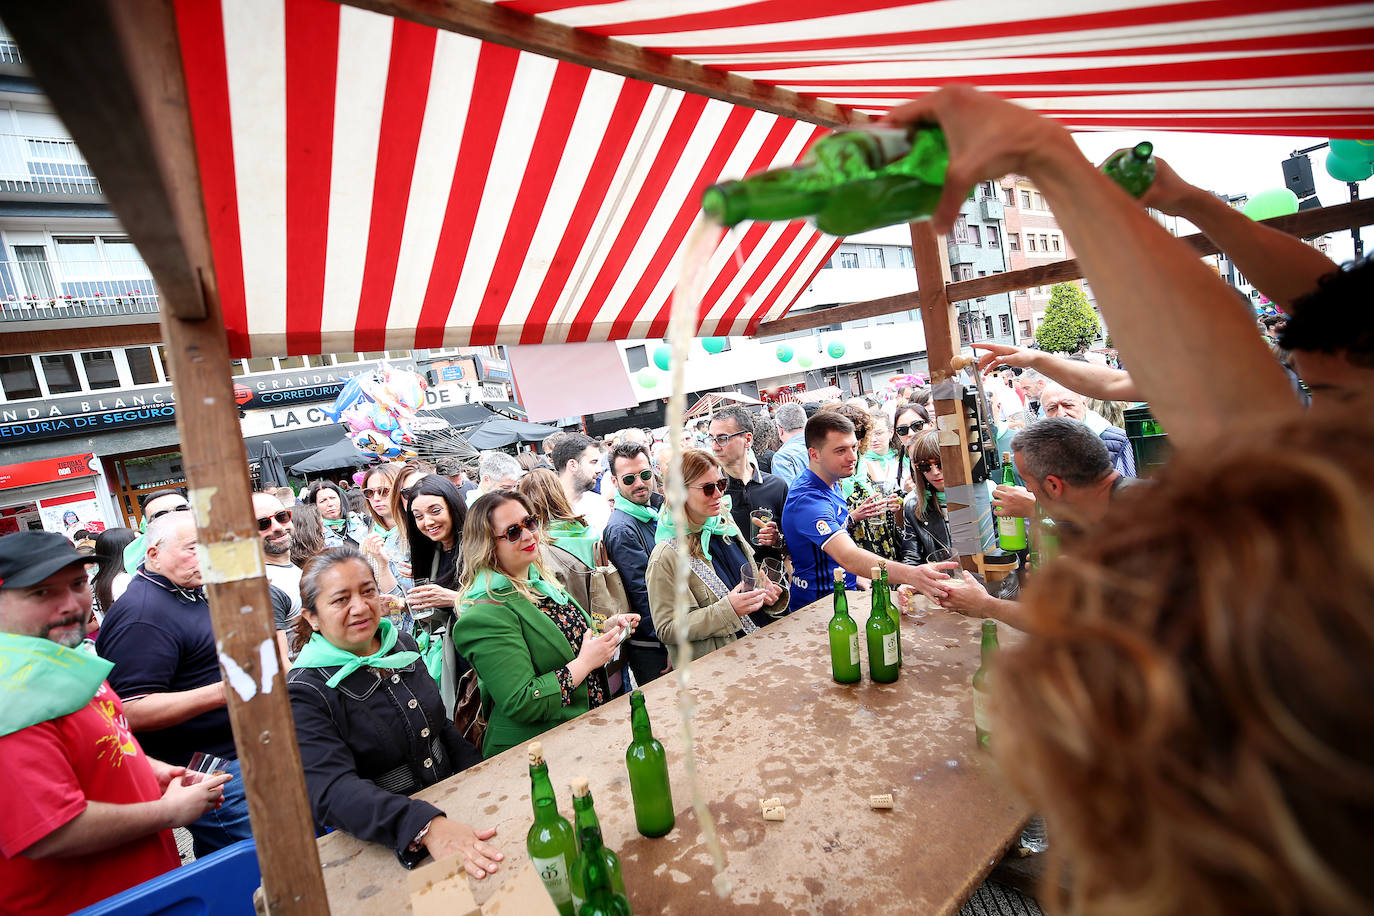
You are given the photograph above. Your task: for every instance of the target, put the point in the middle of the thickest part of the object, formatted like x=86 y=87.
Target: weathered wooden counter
x=770 y=721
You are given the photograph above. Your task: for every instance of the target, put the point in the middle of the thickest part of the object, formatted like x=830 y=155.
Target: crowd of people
x=1189 y=708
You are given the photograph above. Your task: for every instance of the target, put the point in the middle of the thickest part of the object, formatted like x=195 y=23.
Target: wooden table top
x=769 y=722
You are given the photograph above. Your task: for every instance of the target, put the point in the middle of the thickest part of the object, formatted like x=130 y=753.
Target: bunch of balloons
x=378 y=409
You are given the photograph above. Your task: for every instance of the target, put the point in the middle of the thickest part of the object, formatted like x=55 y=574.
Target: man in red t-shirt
x=87 y=814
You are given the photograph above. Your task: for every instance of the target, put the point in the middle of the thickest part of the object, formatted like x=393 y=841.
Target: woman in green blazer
x=538 y=659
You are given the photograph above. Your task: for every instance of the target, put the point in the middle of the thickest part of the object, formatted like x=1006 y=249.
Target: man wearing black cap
x=87 y=814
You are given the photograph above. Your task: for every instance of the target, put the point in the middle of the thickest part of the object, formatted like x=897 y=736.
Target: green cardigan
x=516 y=649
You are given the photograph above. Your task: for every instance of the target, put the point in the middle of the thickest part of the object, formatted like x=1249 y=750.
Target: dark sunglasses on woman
x=911 y=427
x=926 y=464
x=515 y=532
x=281 y=517
x=627 y=480
x=370 y=492
x=710 y=488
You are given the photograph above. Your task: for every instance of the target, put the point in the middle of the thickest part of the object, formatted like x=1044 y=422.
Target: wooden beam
x=124 y=135
x=113 y=71
x=78 y=337
x=503 y=26
x=1303 y=224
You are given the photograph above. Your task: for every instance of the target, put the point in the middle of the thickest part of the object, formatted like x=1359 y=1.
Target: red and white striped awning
x=372 y=183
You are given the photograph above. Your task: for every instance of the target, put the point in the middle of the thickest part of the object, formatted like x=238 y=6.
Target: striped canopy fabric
x=372 y=183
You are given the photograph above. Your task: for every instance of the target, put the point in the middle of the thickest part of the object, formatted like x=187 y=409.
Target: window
x=905 y=258
x=986 y=189
x=1025 y=327
x=1044 y=243
x=1010 y=195
x=374 y=356
x=59 y=369
x=100 y=369
x=258 y=364
x=1039 y=201
x=874 y=256
x=1005 y=322
x=1030 y=242
x=166 y=366
x=975 y=234
x=637 y=358
x=80 y=259
x=959 y=234
x=19 y=378
x=987 y=325
x=849 y=259
x=963 y=332
x=341 y=358
x=994 y=241
x=1014 y=241
x=142 y=369
x=963 y=271
x=291 y=362
x=122 y=257
x=1054 y=242
x=1026 y=199
x=33 y=267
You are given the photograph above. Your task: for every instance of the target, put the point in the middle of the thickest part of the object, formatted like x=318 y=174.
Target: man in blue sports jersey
x=815 y=521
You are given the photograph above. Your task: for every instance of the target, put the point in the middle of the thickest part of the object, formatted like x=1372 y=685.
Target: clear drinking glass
x=201 y=766
x=757 y=519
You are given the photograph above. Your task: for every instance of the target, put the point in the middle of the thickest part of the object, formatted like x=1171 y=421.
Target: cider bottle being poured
x=1134 y=169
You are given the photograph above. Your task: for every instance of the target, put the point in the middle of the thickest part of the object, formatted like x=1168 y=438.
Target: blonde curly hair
x=1193 y=708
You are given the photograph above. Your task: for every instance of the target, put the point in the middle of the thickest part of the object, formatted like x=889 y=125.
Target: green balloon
x=1343 y=169
x=1271 y=203
x=646 y=378
x=836 y=350
x=784 y=353
x=1353 y=150
x=805 y=361
x=713 y=344
x=663 y=357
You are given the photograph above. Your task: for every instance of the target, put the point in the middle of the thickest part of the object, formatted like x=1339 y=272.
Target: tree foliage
x=1070 y=325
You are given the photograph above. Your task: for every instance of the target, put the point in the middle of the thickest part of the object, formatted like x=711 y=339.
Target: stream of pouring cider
x=705 y=235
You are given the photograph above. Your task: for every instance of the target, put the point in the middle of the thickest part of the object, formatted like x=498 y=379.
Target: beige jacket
x=711 y=622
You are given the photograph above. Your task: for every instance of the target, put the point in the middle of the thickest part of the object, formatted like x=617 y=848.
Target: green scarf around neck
x=635 y=510
x=721 y=524
x=321 y=653
x=41 y=680
x=490 y=582
x=336 y=525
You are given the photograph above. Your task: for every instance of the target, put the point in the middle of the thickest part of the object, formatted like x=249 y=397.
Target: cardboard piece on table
x=520 y=894
x=441 y=889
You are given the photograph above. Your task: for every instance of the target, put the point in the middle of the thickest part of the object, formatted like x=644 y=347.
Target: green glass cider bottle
x=849 y=181
x=584 y=815
x=844 y=638
x=1134 y=169
x=883 y=661
x=980 y=684
x=595 y=876
x=890 y=606
x=647 y=764
x=1011 y=531
x=551 y=843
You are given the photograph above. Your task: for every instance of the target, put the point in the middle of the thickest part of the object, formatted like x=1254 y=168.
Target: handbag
x=467 y=713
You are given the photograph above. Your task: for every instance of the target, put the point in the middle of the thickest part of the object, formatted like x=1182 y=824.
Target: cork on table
x=770 y=723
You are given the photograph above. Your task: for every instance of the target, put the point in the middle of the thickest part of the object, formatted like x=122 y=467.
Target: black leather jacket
x=370 y=742
x=924 y=535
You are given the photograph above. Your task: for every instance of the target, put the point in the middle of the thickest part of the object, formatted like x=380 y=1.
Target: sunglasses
x=629 y=479
x=724 y=438
x=161 y=512
x=408 y=493
x=515 y=532
x=281 y=518
x=370 y=492
x=911 y=427
x=926 y=464
x=711 y=487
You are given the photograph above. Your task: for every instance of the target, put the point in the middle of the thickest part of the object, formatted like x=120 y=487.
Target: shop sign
x=84 y=414
x=267 y=422
x=496 y=369
x=46 y=470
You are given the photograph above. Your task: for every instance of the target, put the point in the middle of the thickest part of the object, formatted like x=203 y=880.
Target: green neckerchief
x=635 y=510
x=379 y=529
x=490 y=582
x=40 y=680
x=567 y=527
x=321 y=653
x=576 y=538
x=721 y=524
x=336 y=525
x=940 y=495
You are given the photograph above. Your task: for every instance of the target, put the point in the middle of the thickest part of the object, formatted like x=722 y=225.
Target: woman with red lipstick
x=433 y=511
x=370 y=723
x=927 y=530
x=535 y=650
x=719 y=601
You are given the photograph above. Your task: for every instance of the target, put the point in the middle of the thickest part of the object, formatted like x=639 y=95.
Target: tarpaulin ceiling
x=372 y=183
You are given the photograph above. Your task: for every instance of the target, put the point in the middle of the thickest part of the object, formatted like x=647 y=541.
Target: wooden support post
x=112 y=69
x=942 y=344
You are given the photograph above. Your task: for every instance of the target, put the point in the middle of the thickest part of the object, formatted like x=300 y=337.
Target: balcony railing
x=47 y=290
x=44 y=165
